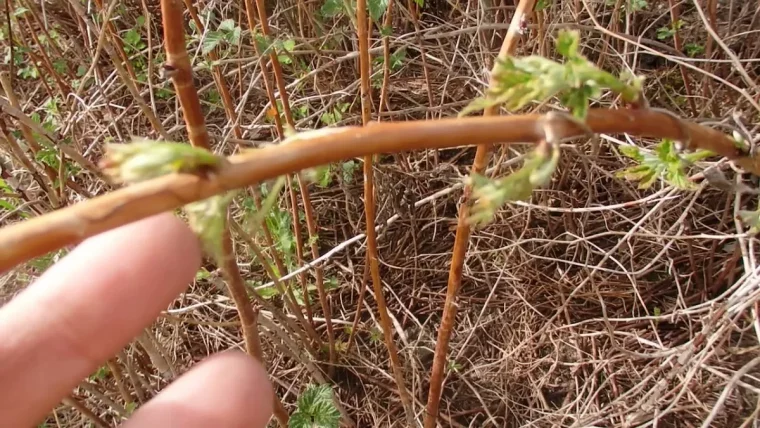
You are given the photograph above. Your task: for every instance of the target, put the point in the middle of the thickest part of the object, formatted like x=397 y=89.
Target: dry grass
x=596 y=304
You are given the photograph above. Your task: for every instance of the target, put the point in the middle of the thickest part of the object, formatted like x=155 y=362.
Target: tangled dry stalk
x=594 y=304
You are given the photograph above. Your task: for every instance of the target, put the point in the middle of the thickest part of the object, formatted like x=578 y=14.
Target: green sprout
x=520 y=81
x=491 y=195
x=665 y=162
x=145 y=159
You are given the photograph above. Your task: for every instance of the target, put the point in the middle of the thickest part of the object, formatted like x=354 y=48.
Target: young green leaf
x=377 y=9
x=349 y=167
x=542 y=4
x=208 y=219
x=315 y=409
x=211 y=41
x=331 y=8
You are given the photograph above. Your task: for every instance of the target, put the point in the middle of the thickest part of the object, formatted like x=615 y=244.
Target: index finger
x=86 y=308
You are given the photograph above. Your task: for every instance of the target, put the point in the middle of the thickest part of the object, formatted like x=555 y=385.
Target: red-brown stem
x=369 y=210
x=448 y=319
x=37 y=236
x=674 y=16
x=311 y=224
x=216 y=72
x=179 y=68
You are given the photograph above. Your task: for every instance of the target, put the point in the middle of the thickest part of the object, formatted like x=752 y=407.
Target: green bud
x=145 y=159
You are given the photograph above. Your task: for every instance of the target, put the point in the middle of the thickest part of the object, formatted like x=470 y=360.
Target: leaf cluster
x=521 y=81
x=664 y=162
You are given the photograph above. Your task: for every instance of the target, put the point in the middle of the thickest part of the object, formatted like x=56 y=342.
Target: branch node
x=168 y=71
x=684 y=139
x=555 y=122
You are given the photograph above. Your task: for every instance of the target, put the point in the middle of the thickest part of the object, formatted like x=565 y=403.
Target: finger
x=86 y=308
x=227 y=390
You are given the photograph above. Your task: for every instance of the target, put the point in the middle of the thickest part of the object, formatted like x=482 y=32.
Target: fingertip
x=86 y=307
x=176 y=241
x=229 y=389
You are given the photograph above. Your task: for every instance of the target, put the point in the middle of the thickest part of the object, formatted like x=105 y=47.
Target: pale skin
x=87 y=307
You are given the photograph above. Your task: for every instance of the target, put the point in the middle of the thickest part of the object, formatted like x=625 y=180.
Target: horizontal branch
x=70 y=225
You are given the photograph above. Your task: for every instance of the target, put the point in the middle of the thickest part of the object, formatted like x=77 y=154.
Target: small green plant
x=665 y=162
x=694 y=49
x=453 y=367
x=101 y=373
x=315 y=409
x=396 y=61
x=227 y=34
x=375 y=8
x=349 y=169
x=5 y=202
x=375 y=335
x=664 y=33
x=41 y=264
x=542 y=4
x=130 y=407
x=637 y=5
x=133 y=42
x=335 y=115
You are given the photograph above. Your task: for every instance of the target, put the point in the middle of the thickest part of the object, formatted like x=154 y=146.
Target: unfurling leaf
x=208 y=219
x=490 y=195
x=145 y=159
x=315 y=409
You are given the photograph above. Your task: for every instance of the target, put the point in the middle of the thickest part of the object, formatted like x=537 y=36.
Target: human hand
x=84 y=309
